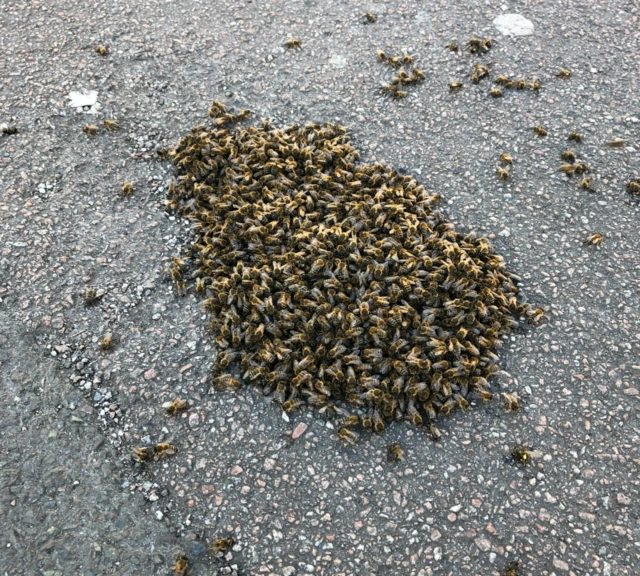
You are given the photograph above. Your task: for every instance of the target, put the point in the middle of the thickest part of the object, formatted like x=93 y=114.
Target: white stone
x=338 y=61
x=513 y=25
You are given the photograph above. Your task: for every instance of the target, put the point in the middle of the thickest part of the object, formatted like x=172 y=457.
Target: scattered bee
x=222 y=545
x=9 y=130
x=585 y=183
x=495 y=93
x=142 y=454
x=574 y=136
x=164 y=449
x=382 y=57
x=617 y=143
x=292 y=43
x=455 y=86
x=407 y=60
x=521 y=454
x=102 y=50
x=503 y=174
x=476 y=46
x=535 y=85
x=453 y=46
x=434 y=431
x=568 y=156
x=511 y=401
x=127 y=189
x=106 y=343
x=394 y=453
x=512 y=568
x=594 y=240
x=539 y=131
x=633 y=187
x=563 y=73
x=90 y=296
x=176 y=407
x=481 y=71
x=534 y=316
x=181 y=565
x=90 y=129
x=581 y=167
x=348 y=436
x=370 y=17
x=502 y=80
x=506 y=159
x=568 y=169
x=111 y=125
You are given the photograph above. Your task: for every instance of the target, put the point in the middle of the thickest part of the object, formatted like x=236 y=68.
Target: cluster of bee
x=403 y=77
x=336 y=284
x=521 y=84
x=217 y=547
x=506 y=160
x=148 y=453
x=110 y=125
x=479 y=47
x=572 y=165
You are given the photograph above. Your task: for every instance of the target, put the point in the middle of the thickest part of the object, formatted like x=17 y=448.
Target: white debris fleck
x=513 y=25
x=338 y=61
x=84 y=101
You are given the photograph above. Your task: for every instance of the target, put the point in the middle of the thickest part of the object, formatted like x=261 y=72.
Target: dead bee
x=585 y=183
x=382 y=57
x=394 y=452
x=292 y=43
x=495 y=93
x=181 y=565
x=502 y=173
x=176 y=407
x=407 y=59
x=617 y=143
x=594 y=240
x=434 y=431
x=164 y=449
x=348 y=436
x=102 y=50
x=111 y=125
x=506 y=159
x=453 y=46
x=535 y=85
x=574 y=136
x=455 y=86
x=226 y=381
x=90 y=296
x=581 y=167
x=106 y=343
x=521 y=84
x=394 y=92
x=539 y=131
x=502 y=80
x=511 y=400
x=127 y=189
x=521 y=454
x=512 y=568
x=222 y=545
x=417 y=75
x=633 y=187
x=142 y=454
x=9 y=130
x=292 y=405
x=370 y=17
x=568 y=156
x=563 y=73
x=535 y=315
x=568 y=169
x=90 y=129
x=480 y=71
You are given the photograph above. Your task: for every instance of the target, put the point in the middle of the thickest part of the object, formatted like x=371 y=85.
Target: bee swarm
x=334 y=283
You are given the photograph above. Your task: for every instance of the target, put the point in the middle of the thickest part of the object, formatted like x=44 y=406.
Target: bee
x=521 y=454
x=106 y=343
x=502 y=80
x=453 y=46
x=521 y=84
x=495 y=93
x=90 y=129
x=585 y=183
x=382 y=57
x=574 y=136
x=181 y=565
x=480 y=71
x=633 y=187
x=348 y=436
x=142 y=454
x=111 y=125
x=539 y=131
x=226 y=381
x=535 y=315
x=222 y=545
x=349 y=421
x=563 y=73
x=292 y=43
x=102 y=50
x=90 y=296
x=164 y=449
x=594 y=240
x=176 y=407
x=506 y=159
x=127 y=189
x=512 y=568
x=617 y=143
x=371 y=18
x=503 y=174
x=568 y=156
x=535 y=85
x=292 y=405
x=568 y=169
x=581 y=167
x=395 y=93
x=434 y=431
x=511 y=401
x=455 y=86
x=9 y=130
x=394 y=452
x=394 y=61
x=407 y=59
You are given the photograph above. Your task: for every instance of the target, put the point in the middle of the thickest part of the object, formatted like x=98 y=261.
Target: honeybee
x=181 y=565
x=495 y=93
x=111 y=125
x=222 y=545
x=521 y=454
x=568 y=156
x=127 y=189
x=535 y=85
x=585 y=183
x=348 y=436
x=164 y=449
x=594 y=240
x=481 y=71
x=502 y=173
x=90 y=129
x=506 y=159
x=434 y=431
x=292 y=43
x=511 y=401
x=581 y=167
x=502 y=80
x=455 y=86
x=395 y=93
x=370 y=17
x=394 y=452
x=9 y=130
x=90 y=296
x=394 y=61
x=539 y=131
x=574 y=136
x=226 y=381
x=512 y=568
x=568 y=169
x=633 y=187
x=563 y=73
x=617 y=143
x=292 y=405
x=535 y=315
x=106 y=343
x=407 y=59
x=102 y=50
x=176 y=407
x=142 y=454
x=382 y=57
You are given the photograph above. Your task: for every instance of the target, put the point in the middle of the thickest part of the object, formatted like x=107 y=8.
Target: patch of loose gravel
x=309 y=505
